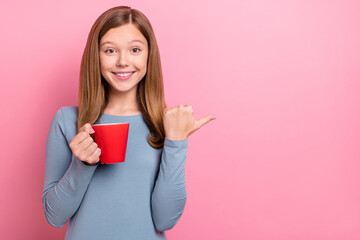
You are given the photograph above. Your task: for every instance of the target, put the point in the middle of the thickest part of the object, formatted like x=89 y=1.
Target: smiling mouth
x=123 y=75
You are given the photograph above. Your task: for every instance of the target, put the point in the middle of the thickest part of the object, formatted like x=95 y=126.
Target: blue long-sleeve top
x=136 y=199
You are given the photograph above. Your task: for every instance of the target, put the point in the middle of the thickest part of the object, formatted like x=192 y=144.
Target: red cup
x=112 y=140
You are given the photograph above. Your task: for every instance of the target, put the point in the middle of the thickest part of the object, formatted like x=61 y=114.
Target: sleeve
x=169 y=194
x=66 y=177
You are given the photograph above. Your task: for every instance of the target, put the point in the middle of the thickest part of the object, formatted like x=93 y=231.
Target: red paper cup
x=112 y=140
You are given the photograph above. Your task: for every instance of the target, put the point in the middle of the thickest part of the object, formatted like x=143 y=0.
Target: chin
x=123 y=89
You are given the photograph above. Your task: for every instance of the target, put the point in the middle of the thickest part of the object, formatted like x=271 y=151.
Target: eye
x=110 y=50
x=137 y=49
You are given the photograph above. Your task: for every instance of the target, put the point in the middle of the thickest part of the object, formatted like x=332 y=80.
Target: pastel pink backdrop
x=281 y=161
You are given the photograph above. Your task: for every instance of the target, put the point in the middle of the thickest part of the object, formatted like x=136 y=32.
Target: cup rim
x=101 y=124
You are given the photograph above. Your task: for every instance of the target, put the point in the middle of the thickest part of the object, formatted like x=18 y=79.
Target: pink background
x=281 y=161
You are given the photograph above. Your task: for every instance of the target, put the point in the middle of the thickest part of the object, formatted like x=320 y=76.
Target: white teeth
x=124 y=74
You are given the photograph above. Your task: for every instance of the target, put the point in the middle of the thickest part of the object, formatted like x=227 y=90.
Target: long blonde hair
x=93 y=89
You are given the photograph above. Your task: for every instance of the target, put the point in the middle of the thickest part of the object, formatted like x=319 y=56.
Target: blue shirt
x=136 y=199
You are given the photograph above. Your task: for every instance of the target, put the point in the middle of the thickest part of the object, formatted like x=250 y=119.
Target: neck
x=120 y=103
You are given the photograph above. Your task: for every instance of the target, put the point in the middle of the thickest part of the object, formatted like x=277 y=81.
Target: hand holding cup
x=84 y=147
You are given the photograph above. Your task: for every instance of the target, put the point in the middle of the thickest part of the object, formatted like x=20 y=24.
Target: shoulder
x=69 y=112
x=66 y=117
x=66 y=114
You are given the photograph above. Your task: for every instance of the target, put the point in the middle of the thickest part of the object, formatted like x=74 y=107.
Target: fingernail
x=92 y=130
x=213 y=118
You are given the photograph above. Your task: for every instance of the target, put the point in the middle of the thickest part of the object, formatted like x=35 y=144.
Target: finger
x=83 y=127
x=86 y=143
x=87 y=128
x=91 y=148
x=185 y=106
x=79 y=138
x=189 y=108
x=82 y=151
x=202 y=121
x=168 y=109
x=95 y=156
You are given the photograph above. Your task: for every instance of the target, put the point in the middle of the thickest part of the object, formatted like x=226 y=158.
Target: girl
x=120 y=81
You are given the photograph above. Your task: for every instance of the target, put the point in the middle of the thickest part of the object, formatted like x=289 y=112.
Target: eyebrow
x=129 y=42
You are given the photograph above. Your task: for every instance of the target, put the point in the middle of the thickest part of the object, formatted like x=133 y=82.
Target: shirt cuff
x=176 y=143
x=80 y=165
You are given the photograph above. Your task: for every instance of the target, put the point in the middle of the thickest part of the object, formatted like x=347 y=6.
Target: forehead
x=124 y=34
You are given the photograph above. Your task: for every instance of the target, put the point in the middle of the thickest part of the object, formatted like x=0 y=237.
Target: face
x=123 y=58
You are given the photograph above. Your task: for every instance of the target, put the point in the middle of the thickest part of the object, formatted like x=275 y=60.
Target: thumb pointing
x=204 y=120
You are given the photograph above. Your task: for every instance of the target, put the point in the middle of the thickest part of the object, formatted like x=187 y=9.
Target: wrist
x=88 y=164
x=176 y=138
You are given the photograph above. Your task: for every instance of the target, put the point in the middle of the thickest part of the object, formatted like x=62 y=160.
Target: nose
x=122 y=60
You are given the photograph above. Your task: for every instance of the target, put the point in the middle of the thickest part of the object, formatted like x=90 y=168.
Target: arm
x=169 y=194
x=66 y=177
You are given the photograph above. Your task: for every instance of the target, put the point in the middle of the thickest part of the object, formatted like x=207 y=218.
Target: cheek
x=102 y=63
x=142 y=63
x=105 y=62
